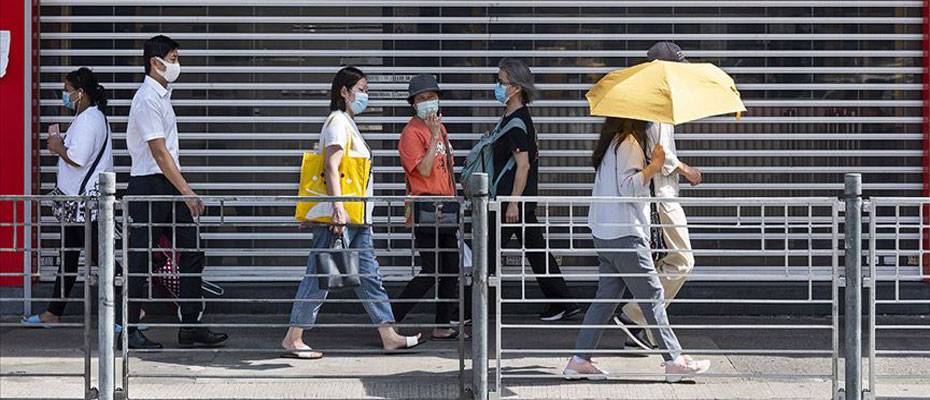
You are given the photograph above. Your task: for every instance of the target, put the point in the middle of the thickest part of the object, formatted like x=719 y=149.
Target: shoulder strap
x=449 y=166
x=652 y=182
x=93 y=166
x=513 y=123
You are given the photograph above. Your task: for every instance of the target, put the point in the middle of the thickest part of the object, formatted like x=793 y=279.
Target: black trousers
x=73 y=237
x=439 y=251
x=184 y=237
x=532 y=239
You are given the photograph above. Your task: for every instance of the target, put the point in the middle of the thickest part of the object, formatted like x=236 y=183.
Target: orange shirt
x=414 y=141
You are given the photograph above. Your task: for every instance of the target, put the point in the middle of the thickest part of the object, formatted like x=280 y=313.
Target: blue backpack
x=481 y=156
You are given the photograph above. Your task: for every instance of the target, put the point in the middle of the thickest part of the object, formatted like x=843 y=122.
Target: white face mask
x=172 y=70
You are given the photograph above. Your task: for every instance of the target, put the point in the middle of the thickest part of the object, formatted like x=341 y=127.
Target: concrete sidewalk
x=250 y=367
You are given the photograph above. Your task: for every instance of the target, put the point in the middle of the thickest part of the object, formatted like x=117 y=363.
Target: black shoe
x=636 y=337
x=138 y=341
x=572 y=311
x=641 y=337
x=559 y=312
x=201 y=337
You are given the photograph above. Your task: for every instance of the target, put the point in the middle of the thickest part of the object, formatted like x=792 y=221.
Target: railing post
x=89 y=392
x=105 y=322
x=478 y=188
x=853 y=246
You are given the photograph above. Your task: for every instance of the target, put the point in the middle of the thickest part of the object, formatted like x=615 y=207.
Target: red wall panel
x=12 y=155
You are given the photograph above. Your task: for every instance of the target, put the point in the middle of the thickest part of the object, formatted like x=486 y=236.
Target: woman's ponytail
x=83 y=79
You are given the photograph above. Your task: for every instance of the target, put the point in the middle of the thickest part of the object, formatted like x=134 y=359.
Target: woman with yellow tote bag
x=345 y=161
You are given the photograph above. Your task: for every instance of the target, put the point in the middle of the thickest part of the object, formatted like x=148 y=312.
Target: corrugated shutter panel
x=832 y=86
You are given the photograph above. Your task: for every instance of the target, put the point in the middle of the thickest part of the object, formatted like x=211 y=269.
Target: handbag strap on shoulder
x=93 y=167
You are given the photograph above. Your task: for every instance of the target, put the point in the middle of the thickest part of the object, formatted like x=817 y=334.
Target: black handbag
x=338 y=267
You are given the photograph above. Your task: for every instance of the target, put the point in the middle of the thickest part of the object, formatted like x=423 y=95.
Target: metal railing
x=898 y=270
x=36 y=236
x=770 y=240
x=760 y=241
x=394 y=239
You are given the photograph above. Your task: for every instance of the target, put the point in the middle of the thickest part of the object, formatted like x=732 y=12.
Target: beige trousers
x=675 y=232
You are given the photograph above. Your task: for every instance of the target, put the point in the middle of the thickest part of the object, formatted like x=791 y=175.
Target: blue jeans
x=374 y=298
x=644 y=287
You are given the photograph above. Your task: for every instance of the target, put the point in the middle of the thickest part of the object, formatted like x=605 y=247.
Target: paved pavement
x=254 y=370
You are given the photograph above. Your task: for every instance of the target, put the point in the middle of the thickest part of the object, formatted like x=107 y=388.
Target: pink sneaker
x=684 y=366
x=576 y=370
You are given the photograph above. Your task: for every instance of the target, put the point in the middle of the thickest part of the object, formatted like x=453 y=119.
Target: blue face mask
x=500 y=93
x=426 y=107
x=66 y=98
x=360 y=103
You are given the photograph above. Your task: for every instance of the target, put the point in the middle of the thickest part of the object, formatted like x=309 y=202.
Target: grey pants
x=636 y=260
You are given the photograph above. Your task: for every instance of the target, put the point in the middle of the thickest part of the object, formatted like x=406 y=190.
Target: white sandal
x=303 y=353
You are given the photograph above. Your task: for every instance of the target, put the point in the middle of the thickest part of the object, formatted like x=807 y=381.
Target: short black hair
x=158 y=46
x=345 y=78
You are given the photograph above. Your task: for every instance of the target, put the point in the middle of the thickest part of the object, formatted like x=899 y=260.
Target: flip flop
x=411 y=342
x=303 y=353
x=34 y=321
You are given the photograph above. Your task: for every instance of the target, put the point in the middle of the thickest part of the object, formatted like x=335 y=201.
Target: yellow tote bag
x=354 y=175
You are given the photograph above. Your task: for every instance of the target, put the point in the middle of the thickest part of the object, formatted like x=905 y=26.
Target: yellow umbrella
x=664 y=91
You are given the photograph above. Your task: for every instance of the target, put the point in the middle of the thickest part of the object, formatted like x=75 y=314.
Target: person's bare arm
x=434 y=123
x=521 y=175
x=170 y=171
x=655 y=166
x=672 y=163
x=425 y=166
x=331 y=171
x=331 y=164
x=57 y=146
x=691 y=174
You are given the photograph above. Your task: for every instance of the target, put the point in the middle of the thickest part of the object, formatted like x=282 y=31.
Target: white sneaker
x=684 y=366
x=576 y=371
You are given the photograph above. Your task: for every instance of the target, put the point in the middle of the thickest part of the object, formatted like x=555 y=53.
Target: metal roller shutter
x=832 y=87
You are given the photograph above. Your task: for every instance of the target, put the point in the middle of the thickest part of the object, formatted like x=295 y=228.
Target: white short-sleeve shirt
x=151 y=117
x=86 y=136
x=336 y=131
x=666 y=182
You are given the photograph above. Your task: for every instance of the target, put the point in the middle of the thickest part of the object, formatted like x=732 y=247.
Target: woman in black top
x=515 y=89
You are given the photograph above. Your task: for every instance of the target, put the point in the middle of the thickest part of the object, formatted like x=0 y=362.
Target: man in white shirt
x=152 y=141
x=679 y=259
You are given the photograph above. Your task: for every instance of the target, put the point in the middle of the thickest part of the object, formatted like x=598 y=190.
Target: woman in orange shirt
x=426 y=156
